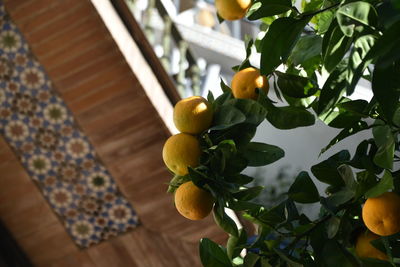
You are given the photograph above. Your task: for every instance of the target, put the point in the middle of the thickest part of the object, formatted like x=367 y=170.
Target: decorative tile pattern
x=57 y=155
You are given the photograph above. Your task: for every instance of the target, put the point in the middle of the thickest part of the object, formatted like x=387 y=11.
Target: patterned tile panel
x=58 y=156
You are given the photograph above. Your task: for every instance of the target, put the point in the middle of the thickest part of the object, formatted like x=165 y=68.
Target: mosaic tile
x=58 y=156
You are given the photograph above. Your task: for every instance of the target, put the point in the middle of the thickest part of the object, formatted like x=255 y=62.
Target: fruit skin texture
x=232 y=9
x=381 y=214
x=193 y=115
x=245 y=82
x=364 y=249
x=193 y=202
x=180 y=151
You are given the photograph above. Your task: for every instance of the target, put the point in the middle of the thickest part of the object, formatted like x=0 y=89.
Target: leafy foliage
x=344 y=42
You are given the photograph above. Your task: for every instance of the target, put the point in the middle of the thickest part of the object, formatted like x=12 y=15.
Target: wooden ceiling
x=89 y=72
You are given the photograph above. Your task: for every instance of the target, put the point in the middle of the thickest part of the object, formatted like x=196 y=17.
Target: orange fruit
x=364 y=248
x=180 y=151
x=232 y=9
x=193 y=115
x=193 y=202
x=381 y=214
x=245 y=82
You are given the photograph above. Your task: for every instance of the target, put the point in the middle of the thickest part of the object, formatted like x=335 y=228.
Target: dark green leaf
x=348 y=177
x=348 y=131
x=353 y=17
x=332 y=227
x=337 y=46
x=254 y=112
x=303 y=190
x=240 y=179
x=384 y=185
x=267 y=8
x=287 y=258
x=288 y=117
x=241 y=134
x=260 y=154
x=176 y=182
x=279 y=41
x=213 y=255
x=224 y=221
x=386 y=88
x=235 y=165
x=210 y=97
x=361 y=47
x=335 y=253
x=227 y=116
x=248 y=193
x=251 y=260
x=383 y=46
x=306 y=48
x=296 y=86
x=235 y=244
x=386 y=144
x=326 y=171
x=333 y=89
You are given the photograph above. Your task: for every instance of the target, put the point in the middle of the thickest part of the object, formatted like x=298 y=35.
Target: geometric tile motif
x=37 y=124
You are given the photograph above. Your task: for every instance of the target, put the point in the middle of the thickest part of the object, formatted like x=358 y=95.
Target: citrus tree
x=323 y=50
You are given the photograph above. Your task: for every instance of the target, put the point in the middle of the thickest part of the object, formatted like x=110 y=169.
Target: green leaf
x=386 y=88
x=333 y=89
x=296 y=86
x=227 y=116
x=337 y=46
x=248 y=193
x=352 y=17
x=176 y=182
x=383 y=46
x=386 y=144
x=240 y=179
x=384 y=185
x=287 y=258
x=362 y=46
x=279 y=41
x=324 y=20
x=212 y=254
x=303 y=190
x=251 y=260
x=235 y=244
x=348 y=177
x=288 y=117
x=260 y=154
x=241 y=134
x=225 y=88
x=326 y=171
x=346 y=132
x=267 y=8
x=224 y=221
x=235 y=165
x=210 y=97
x=332 y=227
x=306 y=48
x=254 y=112
x=334 y=254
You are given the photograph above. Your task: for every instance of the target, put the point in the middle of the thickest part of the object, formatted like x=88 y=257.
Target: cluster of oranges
x=381 y=215
x=192 y=116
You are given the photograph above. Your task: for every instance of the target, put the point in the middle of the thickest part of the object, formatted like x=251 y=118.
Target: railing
x=163 y=46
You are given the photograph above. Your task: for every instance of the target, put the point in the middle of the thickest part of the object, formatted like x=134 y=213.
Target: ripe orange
x=180 y=151
x=193 y=202
x=193 y=115
x=364 y=248
x=381 y=214
x=232 y=9
x=245 y=82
